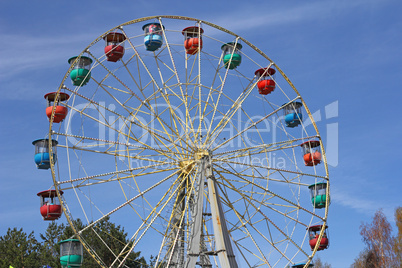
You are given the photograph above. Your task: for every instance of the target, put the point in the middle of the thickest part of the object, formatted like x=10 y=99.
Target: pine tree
x=107 y=241
x=19 y=249
x=49 y=248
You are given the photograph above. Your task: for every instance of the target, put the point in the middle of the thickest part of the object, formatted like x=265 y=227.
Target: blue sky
x=343 y=55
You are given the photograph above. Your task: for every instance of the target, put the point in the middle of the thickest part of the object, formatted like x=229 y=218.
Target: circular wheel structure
x=175 y=142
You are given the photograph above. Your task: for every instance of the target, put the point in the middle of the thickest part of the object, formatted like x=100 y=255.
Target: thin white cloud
x=361 y=204
x=247 y=18
x=34 y=52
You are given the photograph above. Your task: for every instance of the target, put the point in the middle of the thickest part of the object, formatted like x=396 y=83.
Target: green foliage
x=50 y=249
x=21 y=250
x=107 y=241
x=152 y=262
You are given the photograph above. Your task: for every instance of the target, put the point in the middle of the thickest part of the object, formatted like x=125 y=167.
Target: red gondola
x=192 y=39
x=114 y=48
x=60 y=111
x=265 y=84
x=314 y=232
x=50 y=209
x=311 y=153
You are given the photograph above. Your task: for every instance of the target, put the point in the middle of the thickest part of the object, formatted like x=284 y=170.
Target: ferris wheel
x=194 y=141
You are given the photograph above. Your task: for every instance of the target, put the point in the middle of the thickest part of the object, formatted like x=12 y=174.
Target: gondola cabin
x=114 y=47
x=81 y=73
x=231 y=55
x=314 y=232
x=293 y=114
x=71 y=253
x=60 y=111
x=153 y=36
x=301 y=265
x=265 y=82
x=311 y=153
x=318 y=192
x=50 y=208
x=192 y=39
x=42 y=155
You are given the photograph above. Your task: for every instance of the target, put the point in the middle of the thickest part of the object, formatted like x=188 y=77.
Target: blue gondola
x=301 y=265
x=292 y=113
x=42 y=156
x=153 y=36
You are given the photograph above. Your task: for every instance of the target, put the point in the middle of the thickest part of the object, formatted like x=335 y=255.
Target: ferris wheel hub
x=200 y=153
x=186 y=166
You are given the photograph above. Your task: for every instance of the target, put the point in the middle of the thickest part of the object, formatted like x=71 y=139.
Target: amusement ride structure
x=194 y=141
